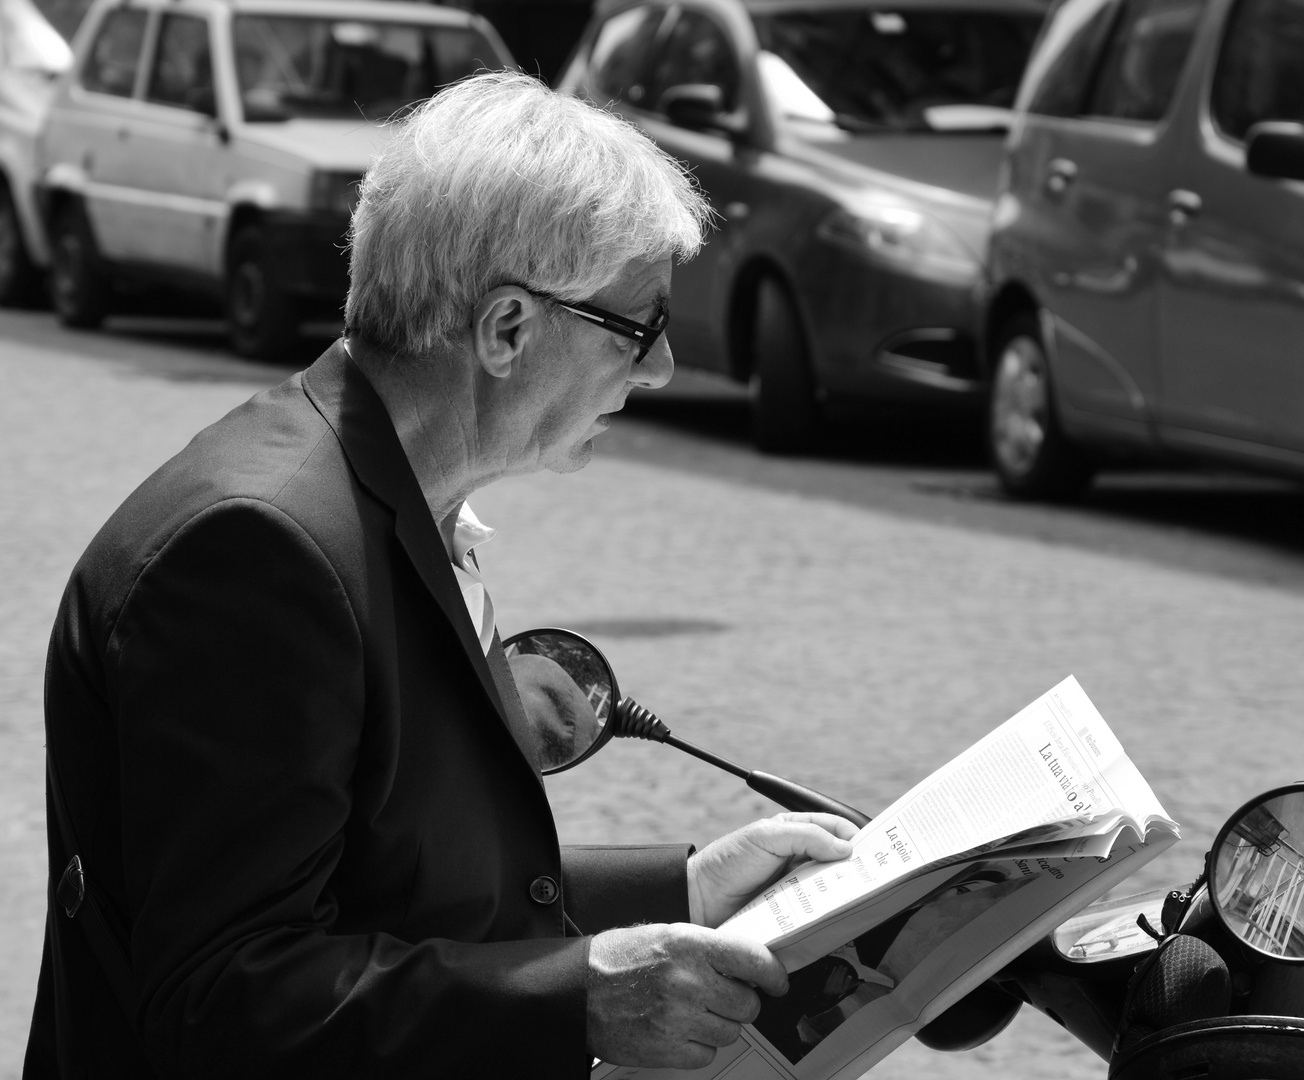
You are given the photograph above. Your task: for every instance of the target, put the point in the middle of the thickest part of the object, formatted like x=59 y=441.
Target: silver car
x=216 y=146
x=32 y=56
x=1147 y=261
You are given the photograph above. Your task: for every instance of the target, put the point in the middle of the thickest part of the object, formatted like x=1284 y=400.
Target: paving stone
x=846 y=647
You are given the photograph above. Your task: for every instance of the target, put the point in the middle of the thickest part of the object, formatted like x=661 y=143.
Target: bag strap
x=83 y=900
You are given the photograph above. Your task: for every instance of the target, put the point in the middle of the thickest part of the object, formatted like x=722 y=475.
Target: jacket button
x=543 y=890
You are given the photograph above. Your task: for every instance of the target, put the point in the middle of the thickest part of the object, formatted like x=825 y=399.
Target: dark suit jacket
x=301 y=784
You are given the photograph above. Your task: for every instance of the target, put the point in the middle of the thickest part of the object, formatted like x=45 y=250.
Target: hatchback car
x=850 y=149
x=217 y=145
x=1147 y=257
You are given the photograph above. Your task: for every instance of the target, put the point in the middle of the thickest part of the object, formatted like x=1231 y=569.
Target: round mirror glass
x=1256 y=873
x=568 y=690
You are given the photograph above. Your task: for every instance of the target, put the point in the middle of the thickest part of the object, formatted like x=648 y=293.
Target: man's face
x=583 y=372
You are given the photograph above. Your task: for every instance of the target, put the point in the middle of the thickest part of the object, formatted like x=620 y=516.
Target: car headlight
x=905 y=236
x=336 y=192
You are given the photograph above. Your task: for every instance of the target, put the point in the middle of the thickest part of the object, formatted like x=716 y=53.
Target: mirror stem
x=632 y=721
x=708 y=757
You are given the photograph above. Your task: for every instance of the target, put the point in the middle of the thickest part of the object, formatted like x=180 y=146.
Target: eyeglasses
x=646 y=335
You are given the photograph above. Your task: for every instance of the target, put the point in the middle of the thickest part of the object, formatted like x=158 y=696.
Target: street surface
x=850 y=620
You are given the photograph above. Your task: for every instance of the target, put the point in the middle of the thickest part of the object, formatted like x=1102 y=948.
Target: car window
x=1067 y=56
x=621 y=51
x=115 y=54
x=882 y=69
x=696 y=50
x=1260 y=72
x=1147 y=51
x=303 y=66
x=183 y=68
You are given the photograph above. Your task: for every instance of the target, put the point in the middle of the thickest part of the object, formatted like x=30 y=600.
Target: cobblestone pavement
x=847 y=647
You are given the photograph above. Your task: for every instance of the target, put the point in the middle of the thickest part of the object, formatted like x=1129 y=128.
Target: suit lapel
x=341 y=393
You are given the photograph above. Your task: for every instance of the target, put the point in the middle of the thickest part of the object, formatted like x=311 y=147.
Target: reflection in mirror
x=1258 y=875
x=568 y=691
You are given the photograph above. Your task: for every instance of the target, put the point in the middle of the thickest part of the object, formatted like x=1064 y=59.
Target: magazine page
x=1051 y=774
x=944 y=888
x=850 y=1009
x=870 y=995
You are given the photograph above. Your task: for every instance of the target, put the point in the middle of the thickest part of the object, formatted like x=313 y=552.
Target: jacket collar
x=347 y=401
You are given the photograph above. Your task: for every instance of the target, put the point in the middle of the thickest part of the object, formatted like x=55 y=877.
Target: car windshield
x=294 y=66
x=922 y=69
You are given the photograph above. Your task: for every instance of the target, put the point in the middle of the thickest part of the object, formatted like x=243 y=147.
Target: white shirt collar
x=467 y=533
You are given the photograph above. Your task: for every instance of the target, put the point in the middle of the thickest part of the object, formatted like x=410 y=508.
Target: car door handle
x=1183 y=205
x=1060 y=173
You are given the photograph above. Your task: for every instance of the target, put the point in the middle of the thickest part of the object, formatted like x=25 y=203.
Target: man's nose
x=656 y=368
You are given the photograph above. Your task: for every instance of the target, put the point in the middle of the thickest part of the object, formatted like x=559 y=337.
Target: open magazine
x=945 y=887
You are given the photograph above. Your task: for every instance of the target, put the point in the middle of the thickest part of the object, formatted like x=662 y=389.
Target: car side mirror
x=700 y=107
x=1275 y=148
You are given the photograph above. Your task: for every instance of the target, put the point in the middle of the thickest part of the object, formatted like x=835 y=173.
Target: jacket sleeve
x=236 y=676
x=606 y=887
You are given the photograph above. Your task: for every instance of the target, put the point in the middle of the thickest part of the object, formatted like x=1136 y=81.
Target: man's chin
x=573 y=460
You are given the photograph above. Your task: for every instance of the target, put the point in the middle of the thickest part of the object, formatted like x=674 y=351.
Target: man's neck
x=432 y=405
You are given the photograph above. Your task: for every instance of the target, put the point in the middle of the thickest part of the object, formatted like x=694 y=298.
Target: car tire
x=785 y=415
x=1029 y=450
x=79 y=289
x=263 y=320
x=20 y=278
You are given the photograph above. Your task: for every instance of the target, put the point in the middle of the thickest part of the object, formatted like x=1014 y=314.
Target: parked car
x=1147 y=260
x=851 y=151
x=32 y=55
x=218 y=144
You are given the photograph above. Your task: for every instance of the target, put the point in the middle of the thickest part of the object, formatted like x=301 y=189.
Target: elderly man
x=284 y=741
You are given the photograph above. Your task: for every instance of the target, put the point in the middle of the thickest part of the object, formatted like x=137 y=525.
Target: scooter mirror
x=1256 y=874
x=572 y=703
x=568 y=690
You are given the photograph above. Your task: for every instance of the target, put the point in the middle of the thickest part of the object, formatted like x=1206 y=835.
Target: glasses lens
x=657 y=327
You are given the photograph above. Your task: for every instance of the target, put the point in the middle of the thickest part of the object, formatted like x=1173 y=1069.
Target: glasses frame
x=625 y=327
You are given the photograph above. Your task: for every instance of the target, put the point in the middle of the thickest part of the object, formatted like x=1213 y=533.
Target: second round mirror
x=1257 y=874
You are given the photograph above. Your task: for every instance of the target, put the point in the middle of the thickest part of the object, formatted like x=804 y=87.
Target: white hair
x=499 y=180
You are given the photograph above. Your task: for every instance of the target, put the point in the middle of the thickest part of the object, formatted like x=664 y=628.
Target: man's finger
x=732 y=999
x=834 y=823
x=802 y=839
x=749 y=962
x=716 y=1030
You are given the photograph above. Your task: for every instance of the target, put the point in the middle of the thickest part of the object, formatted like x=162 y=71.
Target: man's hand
x=727 y=873
x=667 y=996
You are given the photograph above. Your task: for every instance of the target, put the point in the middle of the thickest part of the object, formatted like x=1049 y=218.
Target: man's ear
x=503 y=322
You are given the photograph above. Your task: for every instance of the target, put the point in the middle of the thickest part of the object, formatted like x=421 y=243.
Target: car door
x=175 y=172
x=1232 y=313
x=88 y=130
x=1099 y=176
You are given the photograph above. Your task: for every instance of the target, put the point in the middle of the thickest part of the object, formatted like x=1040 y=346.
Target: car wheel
x=1031 y=454
x=785 y=415
x=263 y=319
x=79 y=291
x=20 y=280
